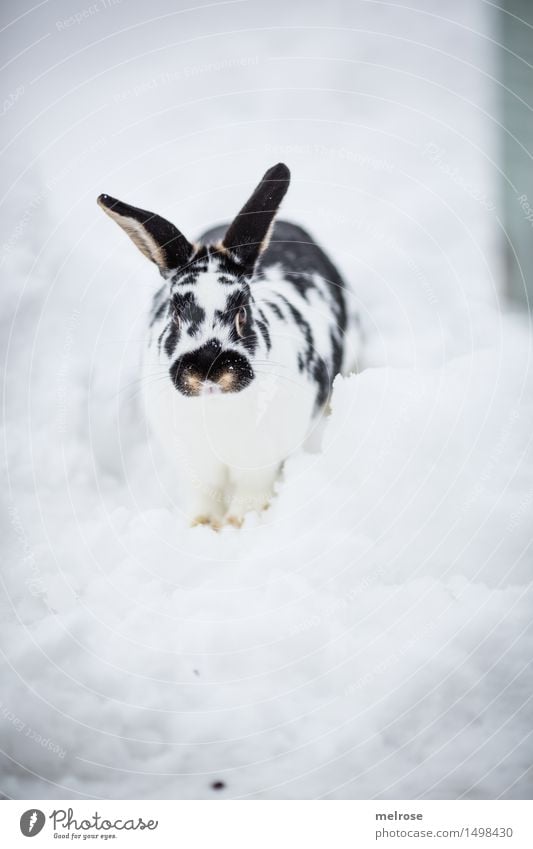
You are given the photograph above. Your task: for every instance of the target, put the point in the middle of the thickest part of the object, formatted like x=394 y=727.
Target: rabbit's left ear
x=155 y=237
x=248 y=235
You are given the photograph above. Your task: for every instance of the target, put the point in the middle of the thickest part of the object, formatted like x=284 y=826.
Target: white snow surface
x=370 y=635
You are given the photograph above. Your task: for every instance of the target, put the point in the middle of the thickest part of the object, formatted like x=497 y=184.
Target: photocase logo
x=32 y=822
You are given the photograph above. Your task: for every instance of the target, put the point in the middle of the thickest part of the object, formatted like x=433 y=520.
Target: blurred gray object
x=516 y=37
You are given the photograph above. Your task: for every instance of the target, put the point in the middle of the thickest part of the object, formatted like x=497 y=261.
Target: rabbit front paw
x=206 y=509
x=204 y=519
x=252 y=492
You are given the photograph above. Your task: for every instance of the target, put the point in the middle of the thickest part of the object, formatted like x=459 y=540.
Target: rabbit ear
x=249 y=234
x=155 y=237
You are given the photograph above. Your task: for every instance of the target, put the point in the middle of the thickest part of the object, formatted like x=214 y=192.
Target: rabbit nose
x=205 y=361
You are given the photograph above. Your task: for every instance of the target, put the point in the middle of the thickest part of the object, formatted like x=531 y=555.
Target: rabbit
x=245 y=338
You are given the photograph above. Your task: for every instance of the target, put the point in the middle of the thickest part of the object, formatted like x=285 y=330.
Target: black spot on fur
x=336 y=352
x=188 y=274
x=322 y=378
x=225 y=280
x=302 y=282
x=159 y=305
x=193 y=313
x=172 y=338
x=305 y=329
x=234 y=301
x=302 y=263
x=160 y=312
x=190 y=313
x=262 y=324
x=275 y=309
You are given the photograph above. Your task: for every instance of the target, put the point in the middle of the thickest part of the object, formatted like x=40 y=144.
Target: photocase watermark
x=34 y=581
x=391 y=659
x=32 y=822
x=85 y=14
x=165 y=78
x=527 y=209
x=437 y=155
x=27 y=731
x=343 y=153
x=63 y=397
x=74 y=164
x=520 y=512
x=36 y=202
x=412 y=401
x=386 y=241
x=12 y=98
x=66 y=824
x=21 y=226
x=337 y=605
x=268 y=389
x=492 y=464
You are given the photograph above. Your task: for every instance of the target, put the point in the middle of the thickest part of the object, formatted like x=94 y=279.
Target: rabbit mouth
x=209 y=371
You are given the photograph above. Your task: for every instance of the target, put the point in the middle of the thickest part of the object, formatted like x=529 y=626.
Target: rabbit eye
x=240 y=321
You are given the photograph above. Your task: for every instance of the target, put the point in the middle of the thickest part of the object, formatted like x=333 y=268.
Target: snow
x=370 y=635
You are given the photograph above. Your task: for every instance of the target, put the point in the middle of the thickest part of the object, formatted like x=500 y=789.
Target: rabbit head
x=204 y=319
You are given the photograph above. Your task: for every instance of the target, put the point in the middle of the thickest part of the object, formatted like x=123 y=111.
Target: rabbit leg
x=205 y=500
x=252 y=490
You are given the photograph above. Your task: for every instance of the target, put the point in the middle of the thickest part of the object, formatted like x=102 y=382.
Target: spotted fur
x=251 y=327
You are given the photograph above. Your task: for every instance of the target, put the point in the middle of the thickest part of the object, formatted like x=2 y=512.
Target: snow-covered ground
x=371 y=635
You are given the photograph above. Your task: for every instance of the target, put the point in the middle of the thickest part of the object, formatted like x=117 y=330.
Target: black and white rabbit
x=251 y=326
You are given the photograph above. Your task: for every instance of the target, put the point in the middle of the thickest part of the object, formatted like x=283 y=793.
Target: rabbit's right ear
x=155 y=237
x=248 y=236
